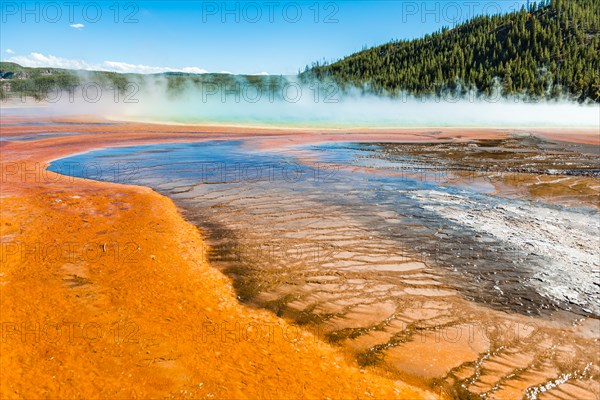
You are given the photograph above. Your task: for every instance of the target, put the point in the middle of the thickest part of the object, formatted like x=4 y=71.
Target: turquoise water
x=312 y=108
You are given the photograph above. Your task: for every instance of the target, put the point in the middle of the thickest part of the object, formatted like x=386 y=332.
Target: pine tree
x=560 y=38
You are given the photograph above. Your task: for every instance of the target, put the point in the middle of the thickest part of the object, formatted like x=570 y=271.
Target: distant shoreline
x=580 y=135
x=350 y=128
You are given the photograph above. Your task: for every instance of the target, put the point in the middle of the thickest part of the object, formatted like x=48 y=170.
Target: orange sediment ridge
x=106 y=293
x=105 y=290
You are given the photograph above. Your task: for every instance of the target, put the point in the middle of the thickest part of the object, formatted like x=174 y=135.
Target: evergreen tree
x=551 y=51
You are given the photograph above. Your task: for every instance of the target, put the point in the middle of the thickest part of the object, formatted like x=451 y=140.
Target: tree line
x=551 y=50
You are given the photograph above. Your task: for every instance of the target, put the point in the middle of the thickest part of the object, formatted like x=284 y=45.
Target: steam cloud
x=291 y=103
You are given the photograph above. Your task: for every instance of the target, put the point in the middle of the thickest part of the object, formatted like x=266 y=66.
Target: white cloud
x=117 y=66
x=257 y=74
x=41 y=60
x=77 y=26
x=194 y=70
x=10 y=51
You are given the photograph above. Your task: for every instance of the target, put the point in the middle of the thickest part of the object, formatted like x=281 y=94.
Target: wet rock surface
x=396 y=266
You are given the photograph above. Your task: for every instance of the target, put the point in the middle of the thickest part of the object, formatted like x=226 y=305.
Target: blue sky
x=275 y=37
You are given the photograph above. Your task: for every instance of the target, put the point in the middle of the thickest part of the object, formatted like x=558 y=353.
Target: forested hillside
x=41 y=83
x=549 y=51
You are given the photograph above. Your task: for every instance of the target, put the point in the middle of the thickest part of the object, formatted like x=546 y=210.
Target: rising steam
x=277 y=101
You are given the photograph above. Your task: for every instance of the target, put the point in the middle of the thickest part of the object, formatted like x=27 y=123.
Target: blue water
x=211 y=178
